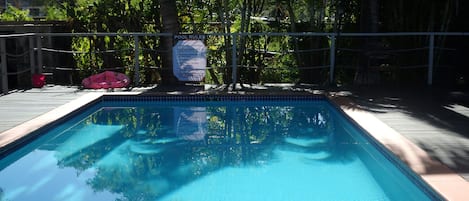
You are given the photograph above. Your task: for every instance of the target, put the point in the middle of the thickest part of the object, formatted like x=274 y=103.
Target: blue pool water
x=207 y=150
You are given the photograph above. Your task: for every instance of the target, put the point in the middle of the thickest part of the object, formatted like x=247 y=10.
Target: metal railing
x=35 y=53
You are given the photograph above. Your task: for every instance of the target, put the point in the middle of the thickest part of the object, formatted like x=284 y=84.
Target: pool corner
x=446 y=182
x=25 y=131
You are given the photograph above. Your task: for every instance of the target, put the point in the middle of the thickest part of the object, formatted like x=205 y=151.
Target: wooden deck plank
x=19 y=107
x=432 y=119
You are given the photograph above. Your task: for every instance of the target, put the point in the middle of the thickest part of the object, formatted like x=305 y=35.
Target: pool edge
x=26 y=131
x=446 y=182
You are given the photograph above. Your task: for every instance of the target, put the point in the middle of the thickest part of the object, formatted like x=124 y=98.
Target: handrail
x=349 y=34
x=354 y=34
x=84 y=52
x=130 y=34
x=16 y=35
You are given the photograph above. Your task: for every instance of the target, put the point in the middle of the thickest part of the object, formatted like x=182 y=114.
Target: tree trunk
x=223 y=15
x=374 y=15
x=246 y=13
x=293 y=29
x=169 y=18
x=369 y=23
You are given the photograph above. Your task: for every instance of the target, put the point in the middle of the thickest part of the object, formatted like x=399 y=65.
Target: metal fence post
x=3 y=66
x=234 y=72
x=431 y=46
x=136 y=61
x=39 y=54
x=332 y=59
x=31 y=55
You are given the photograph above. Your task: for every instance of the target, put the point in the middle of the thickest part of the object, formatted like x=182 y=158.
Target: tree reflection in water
x=149 y=152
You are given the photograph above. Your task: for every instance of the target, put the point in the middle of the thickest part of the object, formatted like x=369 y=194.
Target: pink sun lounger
x=106 y=80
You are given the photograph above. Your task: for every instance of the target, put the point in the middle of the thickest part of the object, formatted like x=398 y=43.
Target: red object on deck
x=106 y=80
x=39 y=80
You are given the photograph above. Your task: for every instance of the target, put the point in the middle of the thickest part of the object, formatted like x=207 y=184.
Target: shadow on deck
x=437 y=120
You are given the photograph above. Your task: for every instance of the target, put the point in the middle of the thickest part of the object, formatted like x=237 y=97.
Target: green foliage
x=195 y=16
x=283 y=69
x=87 y=62
x=113 y=16
x=15 y=14
x=56 y=13
x=259 y=58
x=279 y=64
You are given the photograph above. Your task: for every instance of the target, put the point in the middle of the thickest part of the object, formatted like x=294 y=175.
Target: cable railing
x=228 y=57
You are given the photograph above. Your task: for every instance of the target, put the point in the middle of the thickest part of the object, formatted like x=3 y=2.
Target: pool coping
x=28 y=130
x=447 y=183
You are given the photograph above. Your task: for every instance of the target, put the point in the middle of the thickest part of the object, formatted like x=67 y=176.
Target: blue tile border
x=213 y=98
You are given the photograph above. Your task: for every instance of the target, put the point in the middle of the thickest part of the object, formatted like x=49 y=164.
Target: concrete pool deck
x=429 y=134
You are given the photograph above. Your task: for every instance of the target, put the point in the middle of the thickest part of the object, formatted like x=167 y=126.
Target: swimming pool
x=207 y=148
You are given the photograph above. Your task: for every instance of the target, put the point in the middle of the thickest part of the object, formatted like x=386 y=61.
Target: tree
x=169 y=19
x=259 y=58
x=15 y=14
